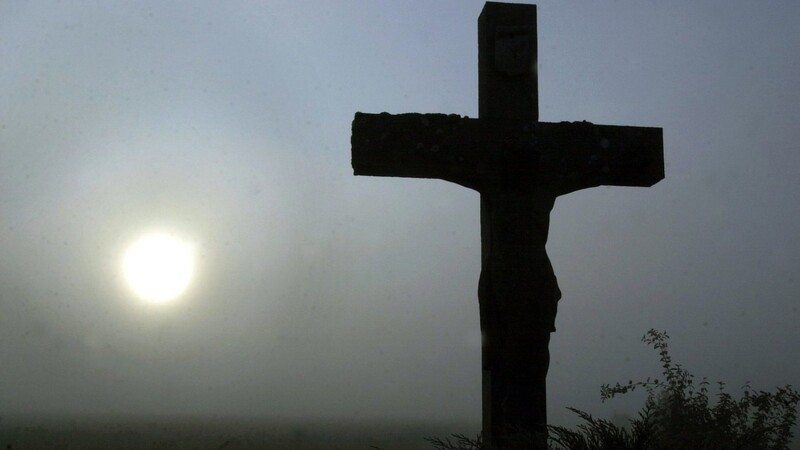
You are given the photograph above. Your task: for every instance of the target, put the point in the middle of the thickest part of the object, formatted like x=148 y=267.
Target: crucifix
x=519 y=166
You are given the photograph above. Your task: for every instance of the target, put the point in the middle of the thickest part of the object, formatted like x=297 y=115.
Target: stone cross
x=519 y=166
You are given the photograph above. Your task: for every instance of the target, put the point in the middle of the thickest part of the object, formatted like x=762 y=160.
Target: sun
x=158 y=267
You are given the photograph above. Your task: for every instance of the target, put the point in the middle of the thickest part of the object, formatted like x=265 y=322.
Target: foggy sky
x=319 y=294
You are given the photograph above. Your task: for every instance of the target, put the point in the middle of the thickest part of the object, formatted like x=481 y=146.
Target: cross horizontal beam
x=557 y=157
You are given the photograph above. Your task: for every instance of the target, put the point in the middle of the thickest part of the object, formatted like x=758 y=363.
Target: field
x=213 y=433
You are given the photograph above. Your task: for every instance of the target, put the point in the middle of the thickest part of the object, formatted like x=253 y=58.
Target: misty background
x=321 y=295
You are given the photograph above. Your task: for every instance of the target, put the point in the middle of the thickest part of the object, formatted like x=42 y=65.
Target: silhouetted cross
x=519 y=165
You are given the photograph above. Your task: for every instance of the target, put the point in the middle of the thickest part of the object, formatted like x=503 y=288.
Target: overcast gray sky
x=319 y=294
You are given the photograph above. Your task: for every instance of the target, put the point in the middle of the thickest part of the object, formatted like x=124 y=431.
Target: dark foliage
x=677 y=415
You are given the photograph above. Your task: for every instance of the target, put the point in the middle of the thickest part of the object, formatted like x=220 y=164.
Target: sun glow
x=158 y=267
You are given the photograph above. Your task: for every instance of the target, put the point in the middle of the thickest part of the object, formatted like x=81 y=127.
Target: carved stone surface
x=519 y=166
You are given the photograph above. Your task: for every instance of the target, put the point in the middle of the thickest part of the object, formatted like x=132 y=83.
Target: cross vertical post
x=519 y=166
x=517 y=291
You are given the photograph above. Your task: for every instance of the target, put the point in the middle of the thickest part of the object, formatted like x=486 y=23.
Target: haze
x=319 y=294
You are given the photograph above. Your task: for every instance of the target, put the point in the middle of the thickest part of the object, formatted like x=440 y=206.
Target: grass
x=678 y=414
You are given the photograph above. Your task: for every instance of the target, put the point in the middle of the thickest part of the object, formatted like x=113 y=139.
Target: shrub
x=677 y=415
